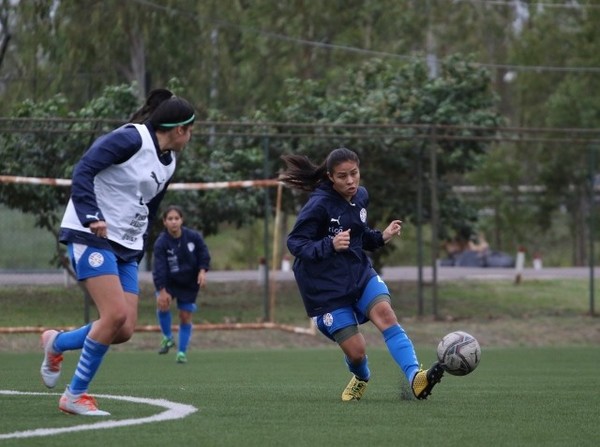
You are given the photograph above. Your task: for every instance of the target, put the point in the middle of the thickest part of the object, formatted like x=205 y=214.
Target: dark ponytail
x=300 y=173
x=164 y=111
x=155 y=97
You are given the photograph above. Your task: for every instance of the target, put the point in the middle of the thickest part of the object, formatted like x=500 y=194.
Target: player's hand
x=163 y=300
x=393 y=229
x=99 y=228
x=341 y=241
x=202 y=278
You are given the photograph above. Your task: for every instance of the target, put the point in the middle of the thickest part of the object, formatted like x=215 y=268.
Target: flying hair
x=302 y=174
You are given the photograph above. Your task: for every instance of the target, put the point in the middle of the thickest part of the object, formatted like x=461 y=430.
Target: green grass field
x=516 y=397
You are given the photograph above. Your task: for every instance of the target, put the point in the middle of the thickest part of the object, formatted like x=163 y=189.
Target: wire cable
x=375 y=53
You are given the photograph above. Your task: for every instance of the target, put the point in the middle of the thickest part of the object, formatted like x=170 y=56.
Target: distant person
x=471 y=251
x=181 y=260
x=116 y=190
x=479 y=244
x=338 y=284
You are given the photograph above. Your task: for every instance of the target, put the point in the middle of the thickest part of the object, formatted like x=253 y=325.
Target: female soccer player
x=338 y=284
x=181 y=260
x=116 y=189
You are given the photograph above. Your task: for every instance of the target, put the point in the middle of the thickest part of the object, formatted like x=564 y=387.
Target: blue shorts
x=89 y=262
x=343 y=317
x=187 y=306
x=190 y=307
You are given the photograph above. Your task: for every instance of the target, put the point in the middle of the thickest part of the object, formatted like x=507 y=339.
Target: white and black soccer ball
x=459 y=353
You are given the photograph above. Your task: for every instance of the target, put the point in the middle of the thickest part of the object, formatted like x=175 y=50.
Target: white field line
x=173 y=411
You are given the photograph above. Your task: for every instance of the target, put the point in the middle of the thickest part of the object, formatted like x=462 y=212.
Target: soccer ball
x=459 y=353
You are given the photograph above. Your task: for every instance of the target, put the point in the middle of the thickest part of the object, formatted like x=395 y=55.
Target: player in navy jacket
x=117 y=186
x=338 y=284
x=181 y=260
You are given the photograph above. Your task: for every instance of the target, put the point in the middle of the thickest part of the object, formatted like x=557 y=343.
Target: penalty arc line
x=174 y=410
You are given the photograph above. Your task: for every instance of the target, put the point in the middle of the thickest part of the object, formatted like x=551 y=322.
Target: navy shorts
x=89 y=262
x=343 y=317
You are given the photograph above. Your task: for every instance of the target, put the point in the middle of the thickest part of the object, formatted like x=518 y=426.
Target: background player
x=181 y=260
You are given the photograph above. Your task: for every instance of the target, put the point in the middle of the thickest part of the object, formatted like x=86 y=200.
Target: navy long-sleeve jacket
x=177 y=263
x=114 y=152
x=328 y=279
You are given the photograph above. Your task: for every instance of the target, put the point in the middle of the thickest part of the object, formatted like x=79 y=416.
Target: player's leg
x=354 y=348
x=128 y=277
x=104 y=280
x=163 y=316
x=185 y=329
x=75 y=399
x=396 y=340
x=131 y=308
x=71 y=340
x=376 y=305
x=108 y=296
x=54 y=343
x=341 y=326
x=403 y=352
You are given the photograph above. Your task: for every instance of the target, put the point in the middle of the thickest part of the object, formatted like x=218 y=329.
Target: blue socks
x=164 y=321
x=402 y=350
x=185 y=330
x=68 y=341
x=361 y=370
x=185 y=333
x=89 y=362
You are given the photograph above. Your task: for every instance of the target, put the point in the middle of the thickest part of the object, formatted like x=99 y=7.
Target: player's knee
x=125 y=333
x=356 y=353
x=116 y=319
x=383 y=316
x=185 y=317
x=356 y=357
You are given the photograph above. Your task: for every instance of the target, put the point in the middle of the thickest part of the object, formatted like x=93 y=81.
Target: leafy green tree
x=567 y=99
x=234 y=56
x=499 y=177
x=48 y=145
x=238 y=57
x=379 y=93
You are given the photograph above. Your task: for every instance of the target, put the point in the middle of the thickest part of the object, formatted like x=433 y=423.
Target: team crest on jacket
x=191 y=246
x=327 y=319
x=95 y=259
x=363 y=215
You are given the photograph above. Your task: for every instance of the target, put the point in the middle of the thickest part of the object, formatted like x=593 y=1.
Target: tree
x=52 y=150
x=237 y=58
x=233 y=56
x=560 y=100
x=379 y=93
